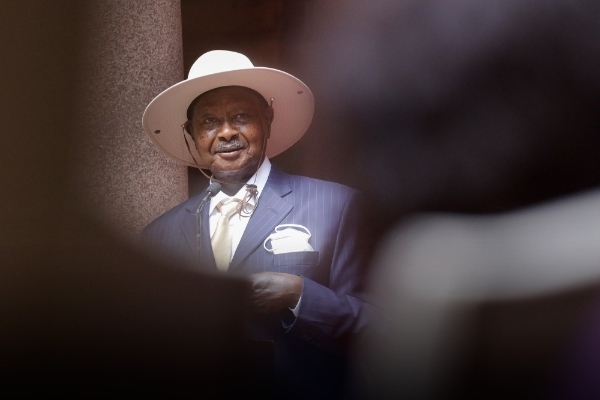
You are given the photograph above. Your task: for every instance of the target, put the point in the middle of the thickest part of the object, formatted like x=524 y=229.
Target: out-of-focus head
x=461 y=106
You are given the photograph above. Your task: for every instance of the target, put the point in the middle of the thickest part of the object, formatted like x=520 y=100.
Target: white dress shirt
x=239 y=223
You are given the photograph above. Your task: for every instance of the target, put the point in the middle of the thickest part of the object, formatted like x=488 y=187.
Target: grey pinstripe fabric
x=332 y=305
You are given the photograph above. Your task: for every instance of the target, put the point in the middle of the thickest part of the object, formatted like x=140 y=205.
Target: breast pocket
x=299 y=263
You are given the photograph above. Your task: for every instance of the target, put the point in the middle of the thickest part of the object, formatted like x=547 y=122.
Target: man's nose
x=227 y=131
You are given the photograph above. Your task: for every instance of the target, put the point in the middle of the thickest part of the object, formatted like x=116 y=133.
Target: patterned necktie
x=221 y=239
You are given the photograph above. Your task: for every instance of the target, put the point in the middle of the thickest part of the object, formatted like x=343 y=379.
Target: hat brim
x=293 y=105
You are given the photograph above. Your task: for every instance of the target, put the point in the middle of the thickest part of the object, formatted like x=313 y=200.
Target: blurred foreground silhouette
x=481 y=108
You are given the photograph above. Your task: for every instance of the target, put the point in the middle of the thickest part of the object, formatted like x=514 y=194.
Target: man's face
x=230 y=127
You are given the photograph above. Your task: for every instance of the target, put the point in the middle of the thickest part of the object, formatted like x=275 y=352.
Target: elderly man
x=294 y=237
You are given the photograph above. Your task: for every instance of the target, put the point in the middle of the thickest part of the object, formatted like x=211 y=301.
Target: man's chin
x=239 y=175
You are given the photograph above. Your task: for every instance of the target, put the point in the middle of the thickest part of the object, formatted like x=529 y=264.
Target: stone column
x=132 y=52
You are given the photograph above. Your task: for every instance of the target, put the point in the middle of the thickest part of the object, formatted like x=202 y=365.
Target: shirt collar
x=259 y=179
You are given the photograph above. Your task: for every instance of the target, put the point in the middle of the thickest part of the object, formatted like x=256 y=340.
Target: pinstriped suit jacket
x=332 y=306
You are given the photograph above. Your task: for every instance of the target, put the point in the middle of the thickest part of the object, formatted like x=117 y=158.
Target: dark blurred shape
x=103 y=319
x=480 y=107
x=82 y=313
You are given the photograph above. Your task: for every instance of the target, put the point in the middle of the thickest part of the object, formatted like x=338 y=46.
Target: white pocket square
x=288 y=238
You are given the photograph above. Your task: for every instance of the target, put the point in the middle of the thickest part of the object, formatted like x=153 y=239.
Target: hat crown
x=217 y=61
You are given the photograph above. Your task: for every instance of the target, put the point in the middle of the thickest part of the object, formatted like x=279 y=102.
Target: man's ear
x=188 y=127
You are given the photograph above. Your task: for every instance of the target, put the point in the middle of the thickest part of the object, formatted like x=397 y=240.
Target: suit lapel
x=271 y=210
x=189 y=230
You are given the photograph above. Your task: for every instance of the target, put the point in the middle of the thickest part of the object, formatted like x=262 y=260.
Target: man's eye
x=211 y=121
x=241 y=117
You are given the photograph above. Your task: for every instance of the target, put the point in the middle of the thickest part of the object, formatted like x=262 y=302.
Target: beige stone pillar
x=132 y=52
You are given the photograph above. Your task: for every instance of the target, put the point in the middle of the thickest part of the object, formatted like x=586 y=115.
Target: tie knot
x=228 y=209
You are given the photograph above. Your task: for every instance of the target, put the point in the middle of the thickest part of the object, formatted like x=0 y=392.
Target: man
x=294 y=237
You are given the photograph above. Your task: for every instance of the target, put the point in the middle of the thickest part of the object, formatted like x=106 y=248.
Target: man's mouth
x=229 y=148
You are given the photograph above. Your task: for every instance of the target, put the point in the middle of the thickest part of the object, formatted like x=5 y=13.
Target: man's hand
x=275 y=291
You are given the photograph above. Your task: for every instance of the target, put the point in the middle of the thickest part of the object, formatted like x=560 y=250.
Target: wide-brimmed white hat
x=293 y=103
